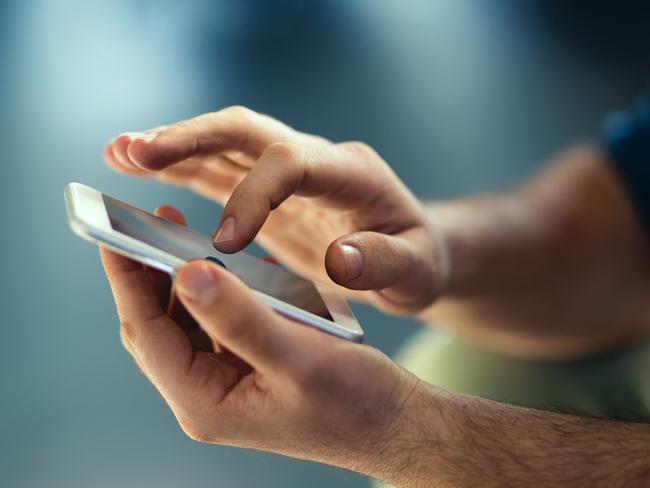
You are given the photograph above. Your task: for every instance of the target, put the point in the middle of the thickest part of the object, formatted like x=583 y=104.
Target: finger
x=160 y=280
x=114 y=163
x=392 y=264
x=235 y=129
x=270 y=260
x=197 y=169
x=120 y=145
x=227 y=310
x=171 y=213
x=162 y=283
x=213 y=179
x=151 y=333
x=283 y=169
x=189 y=381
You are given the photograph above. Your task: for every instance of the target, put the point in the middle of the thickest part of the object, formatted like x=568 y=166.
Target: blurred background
x=459 y=96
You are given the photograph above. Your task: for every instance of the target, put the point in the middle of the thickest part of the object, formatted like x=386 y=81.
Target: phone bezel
x=88 y=218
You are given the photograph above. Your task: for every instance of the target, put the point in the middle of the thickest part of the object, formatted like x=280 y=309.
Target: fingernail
x=146 y=136
x=226 y=232
x=198 y=283
x=353 y=261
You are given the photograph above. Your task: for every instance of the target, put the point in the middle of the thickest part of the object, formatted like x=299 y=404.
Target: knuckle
x=185 y=127
x=195 y=431
x=393 y=253
x=125 y=342
x=237 y=111
x=126 y=335
x=123 y=139
x=388 y=245
x=181 y=129
x=181 y=125
x=359 y=148
x=285 y=152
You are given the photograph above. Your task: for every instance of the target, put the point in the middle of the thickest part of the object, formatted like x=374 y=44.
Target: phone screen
x=187 y=244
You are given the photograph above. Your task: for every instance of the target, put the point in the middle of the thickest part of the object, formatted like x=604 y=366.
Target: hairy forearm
x=556 y=266
x=446 y=439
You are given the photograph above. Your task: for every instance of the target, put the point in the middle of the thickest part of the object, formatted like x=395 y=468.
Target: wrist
x=488 y=238
x=410 y=454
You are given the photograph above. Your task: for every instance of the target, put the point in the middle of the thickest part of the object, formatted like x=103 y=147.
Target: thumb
x=401 y=267
x=231 y=315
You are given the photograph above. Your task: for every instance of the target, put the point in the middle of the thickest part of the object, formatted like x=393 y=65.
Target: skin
x=245 y=376
x=557 y=269
x=233 y=156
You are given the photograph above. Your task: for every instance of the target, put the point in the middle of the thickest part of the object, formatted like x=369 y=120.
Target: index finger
x=235 y=129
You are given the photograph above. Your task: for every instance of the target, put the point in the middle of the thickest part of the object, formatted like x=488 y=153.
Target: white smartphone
x=165 y=245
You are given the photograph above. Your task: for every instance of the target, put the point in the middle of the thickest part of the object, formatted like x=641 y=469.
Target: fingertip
x=232 y=315
x=120 y=144
x=198 y=282
x=231 y=247
x=360 y=261
x=225 y=238
x=243 y=217
x=353 y=261
x=109 y=157
x=119 y=150
x=194 y=278
x=108 y=151
x=111 y=160
x=271 y=260
x=226 y=247
x=142 y=153
x=169 y=212
x=335 y=264
x=148 y=152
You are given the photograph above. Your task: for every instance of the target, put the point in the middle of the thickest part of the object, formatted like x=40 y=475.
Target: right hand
x=320 y=208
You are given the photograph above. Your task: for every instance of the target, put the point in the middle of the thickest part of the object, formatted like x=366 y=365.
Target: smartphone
x=166 y=246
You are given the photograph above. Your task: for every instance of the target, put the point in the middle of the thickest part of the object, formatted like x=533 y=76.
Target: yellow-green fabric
x=616 y=384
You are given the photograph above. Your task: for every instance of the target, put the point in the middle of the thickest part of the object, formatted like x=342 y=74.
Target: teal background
x=459 y=96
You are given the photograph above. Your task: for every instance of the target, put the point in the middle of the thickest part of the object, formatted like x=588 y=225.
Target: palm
x=299 y=232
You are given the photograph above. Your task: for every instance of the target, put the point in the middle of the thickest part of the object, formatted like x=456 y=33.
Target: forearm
x=445 y=439
x=557 y=265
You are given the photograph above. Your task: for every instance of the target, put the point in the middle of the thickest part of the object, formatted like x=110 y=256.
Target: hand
x=276 y=385
x=307 y=198
x=279 y=386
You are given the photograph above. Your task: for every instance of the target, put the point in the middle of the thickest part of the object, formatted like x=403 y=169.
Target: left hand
x=276 y=385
